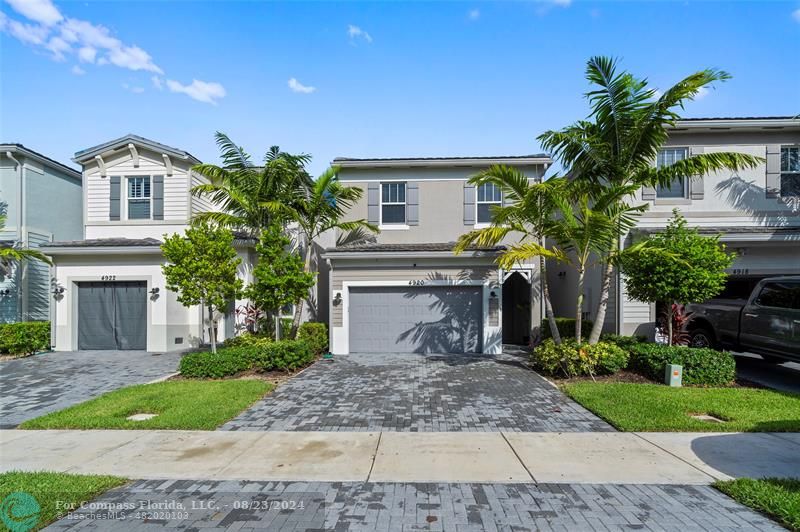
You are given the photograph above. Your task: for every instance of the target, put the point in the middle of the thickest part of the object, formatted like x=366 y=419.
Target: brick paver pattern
x=418 y=393
x=388 y=507
x=37 y=385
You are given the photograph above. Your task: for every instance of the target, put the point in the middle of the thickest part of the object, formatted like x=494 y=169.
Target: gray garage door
x=439 y=319
x=112 y=315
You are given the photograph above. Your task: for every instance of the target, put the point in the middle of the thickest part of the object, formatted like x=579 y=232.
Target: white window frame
x=404 y=203
x=478 y=202
x=128 y=197
x=787 y=171
x=685 y=195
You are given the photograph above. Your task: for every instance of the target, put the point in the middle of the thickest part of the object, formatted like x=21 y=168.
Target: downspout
x=20 y=198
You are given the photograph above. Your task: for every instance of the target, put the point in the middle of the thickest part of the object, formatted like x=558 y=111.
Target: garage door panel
x=445 y=319
x=112 y=315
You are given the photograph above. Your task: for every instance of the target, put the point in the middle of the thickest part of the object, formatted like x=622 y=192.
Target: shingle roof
x=486 y=157
x=104 y=242
x=474 y=161
x=135 y=139
x=438 y=246
x=744 y=230
x=737 y=118
x=17 y=147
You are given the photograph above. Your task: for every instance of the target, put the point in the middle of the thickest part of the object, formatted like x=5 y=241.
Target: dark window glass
x=484 y=213
x=668 y=157
x=394 y=214
x=779 y=295
x=139 y=209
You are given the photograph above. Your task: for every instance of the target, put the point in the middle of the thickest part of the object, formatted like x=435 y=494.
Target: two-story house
x=756 y=211
x=41 y=199
x=407 y=291
x=109 y=291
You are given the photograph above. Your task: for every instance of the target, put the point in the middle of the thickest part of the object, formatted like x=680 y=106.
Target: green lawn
x=777 y=497
x=52 y=494
x=180 y=405
x=656 y=408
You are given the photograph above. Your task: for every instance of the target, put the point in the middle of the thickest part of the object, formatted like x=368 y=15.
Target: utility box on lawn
x=673 y=375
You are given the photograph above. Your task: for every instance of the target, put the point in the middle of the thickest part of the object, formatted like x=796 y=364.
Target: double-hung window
x=393 y=203
x=139 y=198
x=488 y=195
x=668 y=157
x=790 y=171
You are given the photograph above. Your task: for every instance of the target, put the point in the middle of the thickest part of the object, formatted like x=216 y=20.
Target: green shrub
x=315 y=335
x=625 y=342
x=570 y=360
x=24 y=338
x=247 y=339
x=206 y=365
x=701 y=366
x=566 y=328
x=286 y=355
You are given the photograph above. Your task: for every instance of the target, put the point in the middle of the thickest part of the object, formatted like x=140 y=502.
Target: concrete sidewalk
x=583 y=457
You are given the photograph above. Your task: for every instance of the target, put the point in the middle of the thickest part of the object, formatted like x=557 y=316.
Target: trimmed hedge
x=625 y=342
x=701 y=366
x=24 y=338
x=285 y=355
x=568 y=359
x=247 y=340
x=566 y=328
x=315 y=335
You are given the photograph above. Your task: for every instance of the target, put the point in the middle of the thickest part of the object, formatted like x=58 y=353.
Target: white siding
x=201 y=203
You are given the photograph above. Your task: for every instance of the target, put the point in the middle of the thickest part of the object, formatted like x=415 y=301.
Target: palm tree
x=526 y=215
x=11 y=255
x=619 y=142
x=251 y=197
x=321 y=208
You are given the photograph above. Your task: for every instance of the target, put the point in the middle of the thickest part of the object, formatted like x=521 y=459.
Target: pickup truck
x=766 y=323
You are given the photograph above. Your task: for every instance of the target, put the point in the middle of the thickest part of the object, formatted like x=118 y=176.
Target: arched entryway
x=516 y=310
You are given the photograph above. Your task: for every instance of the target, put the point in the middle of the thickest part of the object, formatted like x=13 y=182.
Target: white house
x=109 y=291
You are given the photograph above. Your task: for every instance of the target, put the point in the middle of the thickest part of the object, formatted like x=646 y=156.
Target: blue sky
x=366 y=79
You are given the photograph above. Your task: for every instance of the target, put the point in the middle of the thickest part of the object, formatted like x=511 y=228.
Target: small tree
x=201 y=268
x=696 y=271
x=279 y=278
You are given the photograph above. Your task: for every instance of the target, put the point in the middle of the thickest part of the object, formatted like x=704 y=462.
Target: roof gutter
x=439 y=163
x=767 y=123
x=348 y=255
x=71 y=172
x=101 y=250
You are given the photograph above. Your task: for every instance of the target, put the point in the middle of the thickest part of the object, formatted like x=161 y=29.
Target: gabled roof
x=404 y=162
x=15 y=147
x=130 y=138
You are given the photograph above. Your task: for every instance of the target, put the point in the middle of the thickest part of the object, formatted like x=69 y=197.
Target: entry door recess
x=112 y=315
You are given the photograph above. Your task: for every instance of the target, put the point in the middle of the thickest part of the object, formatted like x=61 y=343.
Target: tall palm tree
x=618 y=143
x=318 y=209
x=11 y=255
x=526 y=215
x=251 y=197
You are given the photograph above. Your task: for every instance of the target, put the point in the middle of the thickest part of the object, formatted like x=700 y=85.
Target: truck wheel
x=702 y=337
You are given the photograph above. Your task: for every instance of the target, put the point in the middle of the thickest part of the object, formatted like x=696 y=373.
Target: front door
x=112 y=315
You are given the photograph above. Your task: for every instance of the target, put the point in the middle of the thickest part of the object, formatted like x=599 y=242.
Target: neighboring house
x=41 y=199
x=756 y=211
x=407 y=291
x=109 y=290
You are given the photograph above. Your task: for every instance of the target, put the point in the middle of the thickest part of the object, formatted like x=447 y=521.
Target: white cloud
x=796 y=15
x=87 y=54
x=355 y=33
x=202 y=91
x=157 y=83
x=41 y=11
x=133 y=58
x=298 y=87
x=27 y=33
x=474 y=14
x=48 y=30
x=132 y=88
x=702 y=92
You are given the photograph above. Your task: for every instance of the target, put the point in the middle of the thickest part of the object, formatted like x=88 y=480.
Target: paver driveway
x=243 y=505
x=435 y=393
x=30 y=387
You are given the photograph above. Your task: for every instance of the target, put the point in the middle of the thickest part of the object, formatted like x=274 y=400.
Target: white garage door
x=425 y=319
